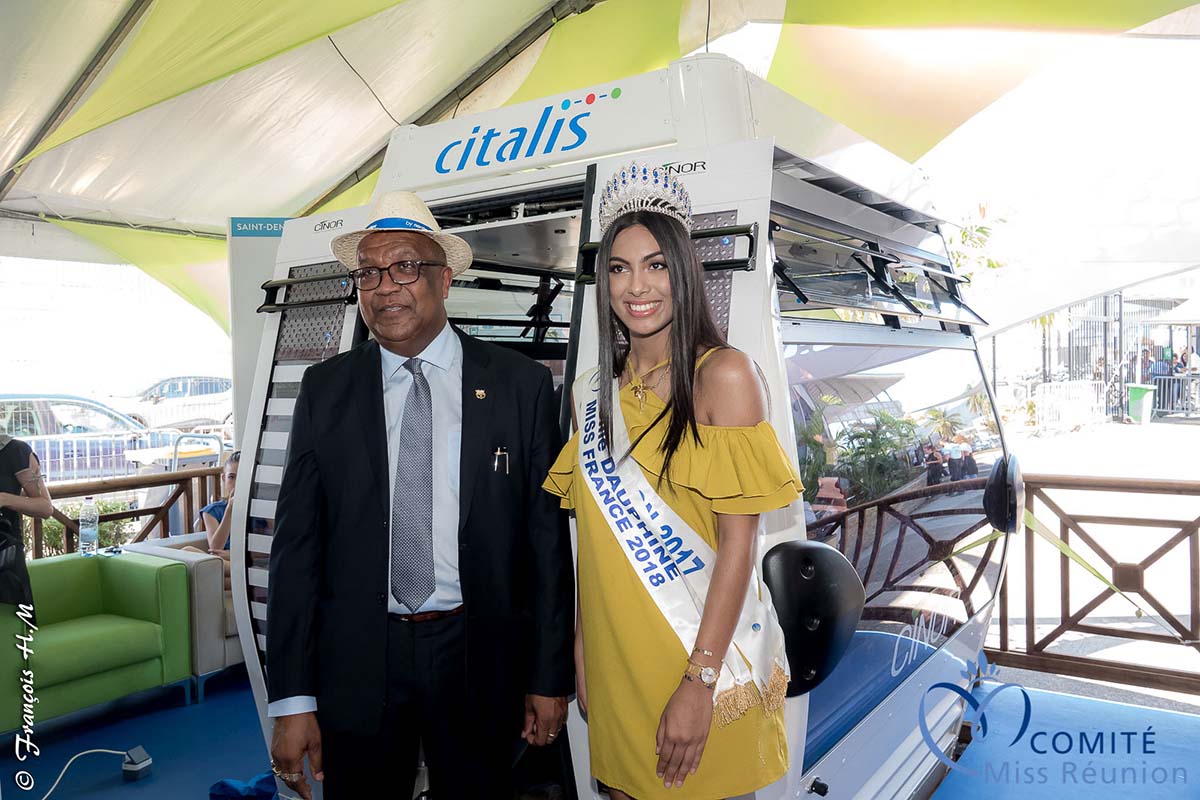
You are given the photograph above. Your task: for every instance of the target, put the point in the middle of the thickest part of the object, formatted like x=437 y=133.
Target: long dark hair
x=692 y=328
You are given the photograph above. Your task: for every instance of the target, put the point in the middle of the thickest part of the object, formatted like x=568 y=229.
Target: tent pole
x=507 y=52
x=78 y=88
x=25 y=217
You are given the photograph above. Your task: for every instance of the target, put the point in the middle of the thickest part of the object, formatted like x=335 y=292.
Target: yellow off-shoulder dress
x=633 y=660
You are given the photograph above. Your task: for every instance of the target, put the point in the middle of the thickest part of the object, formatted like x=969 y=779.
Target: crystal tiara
x=639 y=187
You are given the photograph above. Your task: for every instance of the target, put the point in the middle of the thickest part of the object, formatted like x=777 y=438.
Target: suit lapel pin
x=480 y=394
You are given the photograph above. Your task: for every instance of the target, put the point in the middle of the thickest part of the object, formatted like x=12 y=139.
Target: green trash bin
x=1141 y=402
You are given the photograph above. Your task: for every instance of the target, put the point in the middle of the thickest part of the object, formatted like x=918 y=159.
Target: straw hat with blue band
x=404 y=212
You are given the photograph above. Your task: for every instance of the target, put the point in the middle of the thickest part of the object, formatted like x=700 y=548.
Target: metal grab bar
x=272 y=304
x=195 y=436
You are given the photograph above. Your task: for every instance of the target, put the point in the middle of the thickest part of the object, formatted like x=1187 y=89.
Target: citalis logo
x=559 y=128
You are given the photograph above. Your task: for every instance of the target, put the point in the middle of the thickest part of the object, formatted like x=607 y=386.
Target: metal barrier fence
x=80 y=457
x=93 y=456
x=1064 y=405
x=1177 y=395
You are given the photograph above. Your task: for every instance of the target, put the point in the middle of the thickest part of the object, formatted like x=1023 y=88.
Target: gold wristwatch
x=705 y=674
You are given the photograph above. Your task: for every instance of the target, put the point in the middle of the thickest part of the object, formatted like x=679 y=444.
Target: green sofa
x=107 y=627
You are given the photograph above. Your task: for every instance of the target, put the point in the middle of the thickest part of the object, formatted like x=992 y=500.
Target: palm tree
x=978 y=403
x=944 y=423
x=1046 y=323
x=872 y=455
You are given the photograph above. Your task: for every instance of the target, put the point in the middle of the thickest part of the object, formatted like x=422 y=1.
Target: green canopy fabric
x=183 y=45
x=1060 y=15
x=195 y=269
x=905 y=90
x=865 y=64
x=615 y=39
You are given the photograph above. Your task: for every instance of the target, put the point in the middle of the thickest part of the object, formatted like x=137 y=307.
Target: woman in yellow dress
x=683 y=697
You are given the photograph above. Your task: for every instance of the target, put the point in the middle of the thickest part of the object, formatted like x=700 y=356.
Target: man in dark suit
x=421 y=588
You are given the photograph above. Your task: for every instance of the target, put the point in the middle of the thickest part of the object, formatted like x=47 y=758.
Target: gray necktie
x=412 y=509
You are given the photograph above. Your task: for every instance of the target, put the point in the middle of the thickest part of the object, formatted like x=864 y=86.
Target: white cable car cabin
x=841 y=290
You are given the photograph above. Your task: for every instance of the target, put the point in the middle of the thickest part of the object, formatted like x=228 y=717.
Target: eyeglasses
x=401 y=272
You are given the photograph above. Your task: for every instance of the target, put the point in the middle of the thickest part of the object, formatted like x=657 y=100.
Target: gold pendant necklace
x=638 y=383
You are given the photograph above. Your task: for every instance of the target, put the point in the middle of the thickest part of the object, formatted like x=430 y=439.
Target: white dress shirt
x=441 y=364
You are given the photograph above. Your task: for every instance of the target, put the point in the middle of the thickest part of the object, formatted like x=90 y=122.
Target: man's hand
x=293 y=736
x=544 y=718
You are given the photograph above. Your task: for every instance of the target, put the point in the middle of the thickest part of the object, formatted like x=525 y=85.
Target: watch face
x=708 y=674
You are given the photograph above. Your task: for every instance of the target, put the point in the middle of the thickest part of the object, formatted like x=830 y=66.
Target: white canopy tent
x=1186 y=314
x=151 y=116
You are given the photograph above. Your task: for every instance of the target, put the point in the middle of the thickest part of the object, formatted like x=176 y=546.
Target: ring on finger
x=287 y=777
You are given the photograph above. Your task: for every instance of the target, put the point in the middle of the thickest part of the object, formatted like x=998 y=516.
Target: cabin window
x=81 y=418
x=931 y=289
x=894 y=444
x=18 y=419
x=826 y=274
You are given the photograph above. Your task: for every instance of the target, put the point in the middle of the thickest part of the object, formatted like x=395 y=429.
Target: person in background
x=933 y=466
x=970 y=468
x=22 y=491
x=955 y=461
x=1161 y=368
x=216 y=516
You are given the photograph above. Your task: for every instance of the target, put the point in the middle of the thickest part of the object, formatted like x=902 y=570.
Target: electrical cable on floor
x=72 y=761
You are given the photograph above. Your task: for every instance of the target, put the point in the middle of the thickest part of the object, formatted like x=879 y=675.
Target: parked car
x=76 y=438
x=184 y=402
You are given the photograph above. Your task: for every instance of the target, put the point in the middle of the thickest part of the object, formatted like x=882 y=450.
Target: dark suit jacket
x=327 y=617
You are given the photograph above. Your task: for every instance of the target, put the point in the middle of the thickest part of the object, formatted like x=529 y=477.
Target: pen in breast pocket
x=497 y=454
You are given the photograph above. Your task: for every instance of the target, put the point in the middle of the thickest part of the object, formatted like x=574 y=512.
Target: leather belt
x=427 y=616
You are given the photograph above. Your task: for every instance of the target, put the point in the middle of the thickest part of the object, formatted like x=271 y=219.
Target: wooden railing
x=1166 y=519
x=192 y=489
x=891 y=542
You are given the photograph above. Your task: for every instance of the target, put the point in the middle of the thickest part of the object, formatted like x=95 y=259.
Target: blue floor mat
x=1100 y=761
x=192 y=747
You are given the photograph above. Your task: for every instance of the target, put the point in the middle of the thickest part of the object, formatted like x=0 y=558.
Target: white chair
x=215 y=645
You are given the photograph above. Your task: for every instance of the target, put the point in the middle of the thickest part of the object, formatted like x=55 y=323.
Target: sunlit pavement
x=1160 y=450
